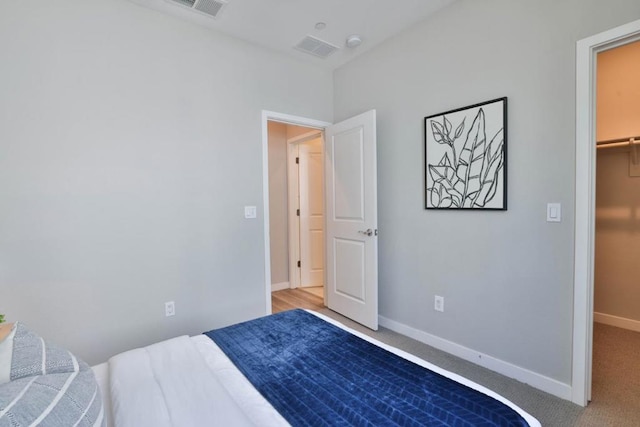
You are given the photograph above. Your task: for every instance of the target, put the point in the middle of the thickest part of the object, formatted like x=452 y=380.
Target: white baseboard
x=526 y=376
x=620 y=322
x=279 y=286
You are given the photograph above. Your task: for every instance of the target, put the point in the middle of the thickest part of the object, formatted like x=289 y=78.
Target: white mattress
x=239 y=395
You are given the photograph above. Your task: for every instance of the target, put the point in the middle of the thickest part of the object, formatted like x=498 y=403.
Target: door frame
x=273 y=116
x=293 y=180
x=584 y=241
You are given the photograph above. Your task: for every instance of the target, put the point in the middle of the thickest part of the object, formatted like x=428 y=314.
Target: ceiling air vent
x=208 y=7
x=316 y=47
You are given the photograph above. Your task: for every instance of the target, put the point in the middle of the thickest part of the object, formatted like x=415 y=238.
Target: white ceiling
x=281 y=24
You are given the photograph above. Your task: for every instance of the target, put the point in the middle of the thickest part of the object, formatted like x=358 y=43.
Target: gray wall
x=507 y=277
x=130 y=142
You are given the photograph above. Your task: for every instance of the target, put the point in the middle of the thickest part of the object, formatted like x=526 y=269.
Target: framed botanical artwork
x=465 y=158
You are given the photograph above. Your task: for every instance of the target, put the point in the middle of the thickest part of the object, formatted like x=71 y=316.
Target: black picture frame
x=465 y=157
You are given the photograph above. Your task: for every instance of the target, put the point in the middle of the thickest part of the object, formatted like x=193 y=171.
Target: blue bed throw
x=316 y=374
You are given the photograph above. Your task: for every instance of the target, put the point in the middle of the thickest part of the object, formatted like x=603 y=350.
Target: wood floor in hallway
x=295 y=298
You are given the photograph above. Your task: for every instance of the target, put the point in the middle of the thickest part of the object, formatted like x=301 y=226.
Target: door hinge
x=299 y=264
x=298 y=212
x=297 y=160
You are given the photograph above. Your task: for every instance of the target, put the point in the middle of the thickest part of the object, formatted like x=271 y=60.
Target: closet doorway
x=296 y=205
x=616 y=329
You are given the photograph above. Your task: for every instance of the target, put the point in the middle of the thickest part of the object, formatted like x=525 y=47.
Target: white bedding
x=169 y=384
x=190 y=382
x=101 y=372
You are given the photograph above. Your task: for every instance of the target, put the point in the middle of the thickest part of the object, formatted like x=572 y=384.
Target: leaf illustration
x=459 y=186
x=440 y=174
x=445 y=161
x=438 y=132
x=472 y=158
x=446 y=201
x=439 y=197
x=490 y=185
x=434 y=194
x=459 y=129
x=493 y=148
x=446 y=176
x=447 y=125
x=494 y=163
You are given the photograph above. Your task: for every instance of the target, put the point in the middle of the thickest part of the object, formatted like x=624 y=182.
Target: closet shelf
x=631 y=143
x=620 y=142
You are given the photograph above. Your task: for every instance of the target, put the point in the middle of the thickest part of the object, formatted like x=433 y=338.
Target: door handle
x=367 y=232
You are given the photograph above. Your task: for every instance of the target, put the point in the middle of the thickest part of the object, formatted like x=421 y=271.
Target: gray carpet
x=616 y=379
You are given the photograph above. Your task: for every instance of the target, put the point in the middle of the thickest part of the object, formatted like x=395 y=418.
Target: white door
x=352 y=219
x=311 y=178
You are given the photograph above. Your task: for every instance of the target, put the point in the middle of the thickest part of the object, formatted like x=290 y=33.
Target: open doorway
x=296 y=216
x=616 y=332
x=585 y=201
x=350 y=214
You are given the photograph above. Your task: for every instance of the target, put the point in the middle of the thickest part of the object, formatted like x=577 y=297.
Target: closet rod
x=620 y=142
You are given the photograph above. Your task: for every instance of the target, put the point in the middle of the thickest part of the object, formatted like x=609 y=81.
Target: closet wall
x=617 y=266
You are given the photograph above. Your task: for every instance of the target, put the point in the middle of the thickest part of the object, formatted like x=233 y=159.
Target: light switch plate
x=554 y=212
x=250 y=212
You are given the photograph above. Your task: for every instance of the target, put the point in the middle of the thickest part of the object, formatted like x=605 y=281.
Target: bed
x=292 y=368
